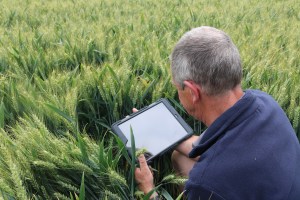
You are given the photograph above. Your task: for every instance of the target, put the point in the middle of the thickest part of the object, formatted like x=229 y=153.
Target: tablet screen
x=154 y=129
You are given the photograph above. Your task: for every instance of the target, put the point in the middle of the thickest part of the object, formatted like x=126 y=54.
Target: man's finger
x=134 y=110
x=143 y=162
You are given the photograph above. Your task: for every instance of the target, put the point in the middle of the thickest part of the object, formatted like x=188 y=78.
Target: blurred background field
x=69 y=69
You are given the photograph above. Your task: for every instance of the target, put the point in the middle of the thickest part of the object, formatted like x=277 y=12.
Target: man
x=250 y=150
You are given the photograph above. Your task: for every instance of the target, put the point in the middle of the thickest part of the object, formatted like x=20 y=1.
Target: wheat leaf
x=82 y=188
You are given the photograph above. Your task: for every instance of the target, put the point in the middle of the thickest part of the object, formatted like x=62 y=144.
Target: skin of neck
x=209 y=108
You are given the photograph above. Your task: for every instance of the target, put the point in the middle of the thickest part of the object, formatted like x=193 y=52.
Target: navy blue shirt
x=250 y=152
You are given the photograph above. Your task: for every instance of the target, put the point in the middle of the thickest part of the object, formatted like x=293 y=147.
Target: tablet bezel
x=171 y=109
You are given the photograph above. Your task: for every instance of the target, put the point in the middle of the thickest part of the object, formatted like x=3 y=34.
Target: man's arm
x=186 y=146
x=181 y=161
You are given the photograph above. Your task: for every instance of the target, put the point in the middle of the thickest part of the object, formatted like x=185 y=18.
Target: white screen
x=155 y=129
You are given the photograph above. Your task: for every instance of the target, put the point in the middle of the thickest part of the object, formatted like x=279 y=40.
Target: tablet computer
x=156 y=128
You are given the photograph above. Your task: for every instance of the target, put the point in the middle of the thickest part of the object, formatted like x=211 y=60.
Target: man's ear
x=194 y=89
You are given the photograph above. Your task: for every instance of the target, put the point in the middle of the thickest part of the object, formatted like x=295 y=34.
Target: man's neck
x=212 y=107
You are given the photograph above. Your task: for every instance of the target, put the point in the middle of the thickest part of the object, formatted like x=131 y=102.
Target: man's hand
x=143 y=176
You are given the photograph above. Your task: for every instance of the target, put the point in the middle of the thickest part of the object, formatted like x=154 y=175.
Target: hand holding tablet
x=156 y=128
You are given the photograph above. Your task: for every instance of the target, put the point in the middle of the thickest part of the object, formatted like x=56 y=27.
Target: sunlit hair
x=208 y=57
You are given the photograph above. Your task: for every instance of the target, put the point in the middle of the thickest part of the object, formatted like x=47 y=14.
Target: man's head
x=207 y=56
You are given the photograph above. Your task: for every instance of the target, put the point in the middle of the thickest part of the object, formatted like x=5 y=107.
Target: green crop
x=69 y=69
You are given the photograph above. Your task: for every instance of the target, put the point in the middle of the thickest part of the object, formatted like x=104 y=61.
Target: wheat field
x=69 y=69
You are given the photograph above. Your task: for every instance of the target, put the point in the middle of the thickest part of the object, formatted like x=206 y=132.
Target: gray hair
x=208 y=57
